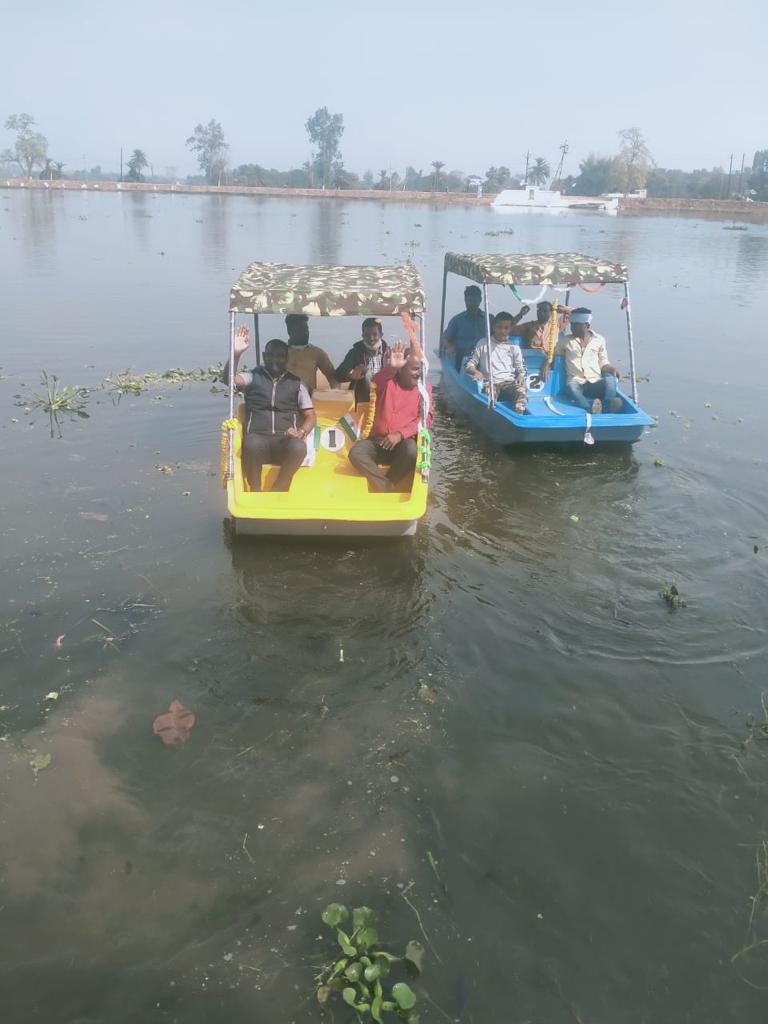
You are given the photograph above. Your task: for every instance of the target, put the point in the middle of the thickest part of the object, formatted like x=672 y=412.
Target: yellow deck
x=330 y=497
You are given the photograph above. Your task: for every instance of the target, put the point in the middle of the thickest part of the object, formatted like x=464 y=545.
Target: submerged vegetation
x=123 y=382
x=671 y=595
x=752 y=940
x=358 y=976
x=58 y=397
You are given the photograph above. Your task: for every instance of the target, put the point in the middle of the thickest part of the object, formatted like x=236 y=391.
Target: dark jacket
x=359 y=354
x=271 y=406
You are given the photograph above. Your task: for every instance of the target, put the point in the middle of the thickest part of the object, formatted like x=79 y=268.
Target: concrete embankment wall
x=724 y=209
x=443 y=198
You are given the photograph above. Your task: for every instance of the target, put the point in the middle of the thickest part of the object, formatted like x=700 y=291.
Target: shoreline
x=706 y=209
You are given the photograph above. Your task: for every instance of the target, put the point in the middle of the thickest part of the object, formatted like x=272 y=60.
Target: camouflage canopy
x=327 y=291
x=554 y=268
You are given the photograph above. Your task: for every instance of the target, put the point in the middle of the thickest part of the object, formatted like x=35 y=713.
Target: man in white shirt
x=591 y=381
x=507 y=364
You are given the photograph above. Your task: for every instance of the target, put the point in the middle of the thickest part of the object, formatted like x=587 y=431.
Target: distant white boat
x=535 y=198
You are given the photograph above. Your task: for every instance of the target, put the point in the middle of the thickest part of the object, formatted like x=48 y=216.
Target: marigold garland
x=367 y=425
x=554 y=334
x=226 y=426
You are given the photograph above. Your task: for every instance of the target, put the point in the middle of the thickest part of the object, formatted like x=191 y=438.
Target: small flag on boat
x=350 y=426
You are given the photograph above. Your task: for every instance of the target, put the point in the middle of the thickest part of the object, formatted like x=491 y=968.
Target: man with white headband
x=591 y=381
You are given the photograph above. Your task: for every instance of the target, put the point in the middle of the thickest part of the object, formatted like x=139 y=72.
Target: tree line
x=631 y=168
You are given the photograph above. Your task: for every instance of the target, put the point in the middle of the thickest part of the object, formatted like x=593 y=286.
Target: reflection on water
x=326 y=236
x=216 y=224
x=505 y=693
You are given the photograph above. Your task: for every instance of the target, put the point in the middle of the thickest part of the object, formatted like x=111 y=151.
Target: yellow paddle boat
x=327 y=495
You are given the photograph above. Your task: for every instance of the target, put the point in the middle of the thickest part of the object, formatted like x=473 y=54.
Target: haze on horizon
x=414 y=83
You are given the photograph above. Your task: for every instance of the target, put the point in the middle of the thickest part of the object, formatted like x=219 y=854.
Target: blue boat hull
x=550 y=417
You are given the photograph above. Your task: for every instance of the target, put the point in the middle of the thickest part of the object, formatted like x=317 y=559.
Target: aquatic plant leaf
x=403 y=995
x=373 y=972
x=346 y=945
x=362 y=917
x=338 y=967
x=349 y=996
x=376 y=1007
x=367 y=937
x=323 y=994
x=175 y=725
x=334 y=914
x=414 y=956
x=40 y=761
x=383 y=966
x=353 y=972
x=389 y=957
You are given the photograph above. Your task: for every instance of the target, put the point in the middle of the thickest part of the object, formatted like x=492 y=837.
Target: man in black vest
x=278 y=414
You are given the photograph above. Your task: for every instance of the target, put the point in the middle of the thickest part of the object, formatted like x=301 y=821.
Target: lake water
x=514 y=699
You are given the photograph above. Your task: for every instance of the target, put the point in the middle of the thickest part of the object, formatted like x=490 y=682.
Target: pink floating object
x=59 y=639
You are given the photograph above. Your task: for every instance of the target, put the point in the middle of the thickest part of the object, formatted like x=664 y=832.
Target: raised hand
x=397 y=355
x=241 y=340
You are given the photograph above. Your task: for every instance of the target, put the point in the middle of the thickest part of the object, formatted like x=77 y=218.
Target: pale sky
x=469 y=84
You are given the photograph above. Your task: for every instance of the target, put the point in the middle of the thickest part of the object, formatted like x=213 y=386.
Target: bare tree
x=635 y=158
x=208 y=143
x=30 y=149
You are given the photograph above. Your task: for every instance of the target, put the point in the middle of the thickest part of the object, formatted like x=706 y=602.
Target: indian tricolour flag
x=350 y=426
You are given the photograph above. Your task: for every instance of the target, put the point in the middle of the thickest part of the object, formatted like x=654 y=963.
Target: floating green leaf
x=40 y=761
x=346 y=945
x=403 y=995
x=373 y=972
x=353 y=972
x=366 y=938
x=349 y=996
x=362 y=917
x=334 y=914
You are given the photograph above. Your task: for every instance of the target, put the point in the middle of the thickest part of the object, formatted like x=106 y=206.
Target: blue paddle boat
x=551 y=416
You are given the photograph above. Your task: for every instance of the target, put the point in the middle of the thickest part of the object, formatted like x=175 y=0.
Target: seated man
x=279 y=414
x=535 y=333
x=507 y=364
x=465 y=329
x=392 y=438
x=304 y=360
x=591 y=381
x=364 y=360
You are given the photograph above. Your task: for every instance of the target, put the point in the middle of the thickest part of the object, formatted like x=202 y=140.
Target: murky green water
x=514 y=696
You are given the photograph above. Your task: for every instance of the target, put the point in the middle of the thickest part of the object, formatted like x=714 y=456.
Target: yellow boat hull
x=328 y=498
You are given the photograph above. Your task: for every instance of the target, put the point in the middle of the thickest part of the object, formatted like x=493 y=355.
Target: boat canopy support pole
x=230 y=431
x=491 y=388
x=256 y=339
x=442 y=312
x=628 y=311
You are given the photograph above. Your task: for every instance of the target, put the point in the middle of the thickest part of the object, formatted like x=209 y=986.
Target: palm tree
x=539 y=173
x=136 y=165
x=437 y=166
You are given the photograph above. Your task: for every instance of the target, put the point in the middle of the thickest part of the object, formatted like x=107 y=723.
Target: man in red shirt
x=392 y=438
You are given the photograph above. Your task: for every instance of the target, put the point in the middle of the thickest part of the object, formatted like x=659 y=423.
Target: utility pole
x=559 y=171
x=527 y=161
x=741 y=175
x=730 y=172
